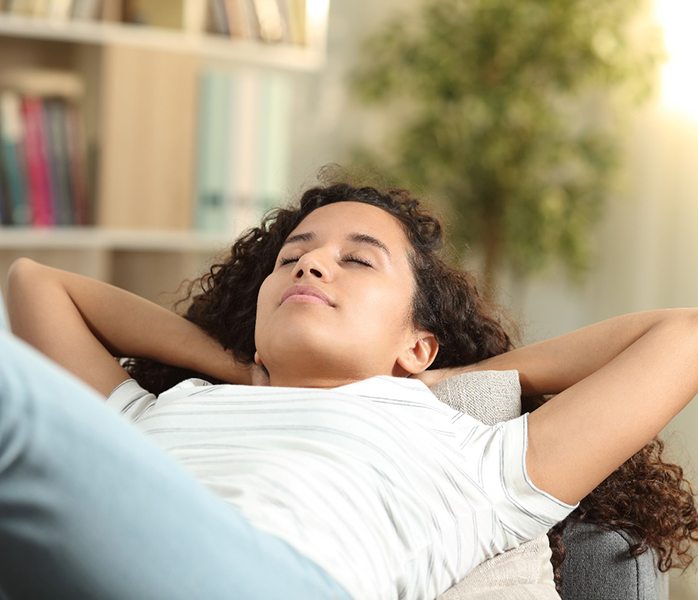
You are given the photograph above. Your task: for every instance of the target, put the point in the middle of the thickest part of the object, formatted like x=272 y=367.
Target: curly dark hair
x=645 y=496
x=446 y=301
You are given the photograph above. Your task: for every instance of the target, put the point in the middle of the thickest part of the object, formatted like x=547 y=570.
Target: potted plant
x=509 y=113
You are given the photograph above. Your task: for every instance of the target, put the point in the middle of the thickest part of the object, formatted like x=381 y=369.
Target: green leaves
x=512 y=115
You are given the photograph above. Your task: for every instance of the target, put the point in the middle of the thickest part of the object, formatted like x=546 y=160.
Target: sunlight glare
x=679 y=21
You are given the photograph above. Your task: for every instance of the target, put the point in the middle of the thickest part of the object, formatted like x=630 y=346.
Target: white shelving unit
x=93 y=238
x=206 y=46
x=144 y=261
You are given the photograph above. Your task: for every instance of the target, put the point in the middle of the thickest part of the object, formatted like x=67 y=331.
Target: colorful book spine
x=12 y=157
x=38 y=176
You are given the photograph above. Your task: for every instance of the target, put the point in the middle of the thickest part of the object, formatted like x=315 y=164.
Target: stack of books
x=43 y=173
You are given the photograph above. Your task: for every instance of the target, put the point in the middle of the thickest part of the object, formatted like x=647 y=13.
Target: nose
x=309 y=264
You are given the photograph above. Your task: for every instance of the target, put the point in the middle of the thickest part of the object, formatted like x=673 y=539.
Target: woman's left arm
x=551 y=366
x=618 y=383
x=576 y=439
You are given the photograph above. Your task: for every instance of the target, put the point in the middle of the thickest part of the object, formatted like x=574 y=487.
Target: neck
x=296 y=380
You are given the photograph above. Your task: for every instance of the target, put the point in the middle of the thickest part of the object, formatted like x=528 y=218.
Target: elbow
x=21 y=281
x=20 y=273
x=683 y=322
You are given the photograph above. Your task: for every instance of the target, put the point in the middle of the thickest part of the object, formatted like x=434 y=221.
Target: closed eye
x=346 y=258
x=356 y=259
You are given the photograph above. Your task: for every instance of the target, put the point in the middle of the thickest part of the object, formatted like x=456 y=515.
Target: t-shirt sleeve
x=524 y=510
x=130 y=399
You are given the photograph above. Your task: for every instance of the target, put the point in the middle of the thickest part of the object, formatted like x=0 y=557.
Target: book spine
x=37 y=168
x=76 y=148
x=274 y=142
x=194 y=16
x=213 y=152
x=219 y=12
x=58 y=161
x=12 y=155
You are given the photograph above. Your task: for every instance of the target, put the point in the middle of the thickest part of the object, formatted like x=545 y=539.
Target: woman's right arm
x=83 y=324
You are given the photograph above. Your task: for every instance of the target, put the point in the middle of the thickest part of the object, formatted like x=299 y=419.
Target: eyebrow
x=361 y=238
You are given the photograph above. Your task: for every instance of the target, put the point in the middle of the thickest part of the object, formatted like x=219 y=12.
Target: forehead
x=342 y=218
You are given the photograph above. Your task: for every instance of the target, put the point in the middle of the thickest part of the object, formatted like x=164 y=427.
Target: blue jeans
x=90 y=508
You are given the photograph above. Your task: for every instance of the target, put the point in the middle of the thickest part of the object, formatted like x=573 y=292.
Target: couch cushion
x=524 y=573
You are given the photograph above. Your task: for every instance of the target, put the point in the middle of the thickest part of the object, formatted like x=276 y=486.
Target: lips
x=307 y=293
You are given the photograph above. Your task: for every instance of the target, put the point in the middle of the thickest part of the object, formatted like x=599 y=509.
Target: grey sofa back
x=597 y=567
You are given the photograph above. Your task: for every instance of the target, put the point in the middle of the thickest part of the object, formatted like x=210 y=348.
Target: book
x=42 y=82
x=270 y=24
x=12 y=156
x=89 y=10
x=219 y=17
x=20 y=7
x=272 y=172
x=212 y=196
x=195 y=16
x=169 y=14
x=296 y=20
x=5 y=206
x=241 y=18
x=58 y=160
x=76 y=149
x=38 y=176
x=59 y=9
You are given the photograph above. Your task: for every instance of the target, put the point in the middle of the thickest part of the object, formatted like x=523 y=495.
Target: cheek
x=264 y=300
x=387 y=307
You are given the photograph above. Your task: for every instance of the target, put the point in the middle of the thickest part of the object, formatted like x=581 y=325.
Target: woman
x=358 y=483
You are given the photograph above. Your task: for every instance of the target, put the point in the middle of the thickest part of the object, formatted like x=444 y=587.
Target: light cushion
x=525 y=572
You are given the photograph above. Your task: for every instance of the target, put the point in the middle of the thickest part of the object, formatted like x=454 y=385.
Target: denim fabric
x=90 y=508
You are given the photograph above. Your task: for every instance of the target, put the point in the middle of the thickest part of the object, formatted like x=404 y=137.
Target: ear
x=418 y=355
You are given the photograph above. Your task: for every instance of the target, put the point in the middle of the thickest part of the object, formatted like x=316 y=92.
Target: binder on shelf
x=243 y=149
x=214 y=112
x=274 y=143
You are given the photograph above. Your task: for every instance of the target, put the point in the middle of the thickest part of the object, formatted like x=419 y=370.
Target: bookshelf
x=208 y=46
x=143 y=92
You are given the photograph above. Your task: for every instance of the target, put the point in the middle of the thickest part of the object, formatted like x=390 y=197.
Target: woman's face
x=337 y=306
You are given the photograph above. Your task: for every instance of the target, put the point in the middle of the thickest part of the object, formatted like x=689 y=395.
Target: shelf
x=208 y=46
x=88 y=238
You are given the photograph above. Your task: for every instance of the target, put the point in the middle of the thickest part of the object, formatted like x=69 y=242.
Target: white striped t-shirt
x=395 y=494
